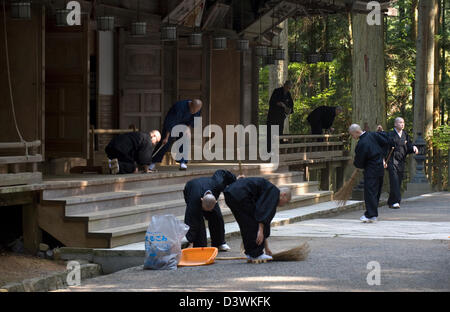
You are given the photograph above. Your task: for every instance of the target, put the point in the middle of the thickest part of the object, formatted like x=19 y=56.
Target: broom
x=345 y=192
x=298 y=253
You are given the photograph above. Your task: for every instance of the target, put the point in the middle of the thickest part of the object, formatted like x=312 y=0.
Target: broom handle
x=231 y=258
x=162 y=145
x=240 y=167
x=390 y=153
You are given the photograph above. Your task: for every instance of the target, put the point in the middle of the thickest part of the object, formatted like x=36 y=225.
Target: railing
x=303 y=148
x=23 y=169
x=96 y=132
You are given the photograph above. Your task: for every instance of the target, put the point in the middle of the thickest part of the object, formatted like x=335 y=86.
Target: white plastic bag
x=163 y=242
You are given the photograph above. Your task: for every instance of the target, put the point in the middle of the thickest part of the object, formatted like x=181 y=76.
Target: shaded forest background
x=330 y=83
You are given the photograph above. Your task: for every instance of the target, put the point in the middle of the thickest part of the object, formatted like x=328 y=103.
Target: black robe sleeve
x=266 y=204
x=145 y=151
x=360 y=155
x=409 y=145
x=174 y=116
x=223 y=178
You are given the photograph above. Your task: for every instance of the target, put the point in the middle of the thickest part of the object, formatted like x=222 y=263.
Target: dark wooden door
x=67 y=90
x=140 y=82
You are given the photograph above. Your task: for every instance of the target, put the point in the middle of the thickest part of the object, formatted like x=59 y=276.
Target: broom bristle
x=295 y=254
x=343 y=195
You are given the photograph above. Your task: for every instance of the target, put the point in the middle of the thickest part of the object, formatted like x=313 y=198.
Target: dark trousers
x=280 y=124
x=197 y=230
x=243 y=212
x=395 y=183
x=126 y=162
x=157 y=158
x=372 y=192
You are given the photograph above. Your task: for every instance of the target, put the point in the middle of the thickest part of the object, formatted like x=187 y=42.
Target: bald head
x=285 y=196
x=195 y=106
x=399 y=123
x=155 y=137
x=355 y=131
x=208 y=201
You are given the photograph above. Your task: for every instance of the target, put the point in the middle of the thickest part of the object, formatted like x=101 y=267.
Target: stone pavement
x=410 y=245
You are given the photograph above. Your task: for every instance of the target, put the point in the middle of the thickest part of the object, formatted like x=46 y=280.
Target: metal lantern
x=269 y=60
x=327 y=57
x=219 y=43
x=296 y=57
x=278 y=54
x=261 y=50
x=61 y=17
x=195 y=39
x=138 y=29
x=420 y=160
x=21 y=10
x=168 y=33
x=105 y=23
x=243 y=45
x=313 y=58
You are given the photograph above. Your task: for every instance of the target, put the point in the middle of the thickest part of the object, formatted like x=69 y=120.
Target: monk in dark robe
x=322 y=118
x=201 y=197
x=253 y=202
x=181 y=113
x=280 y=106
x=396 y=164
x=370 y=156
x=127 y=151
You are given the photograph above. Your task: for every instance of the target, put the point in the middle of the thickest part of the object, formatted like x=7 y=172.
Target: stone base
x=416 y=189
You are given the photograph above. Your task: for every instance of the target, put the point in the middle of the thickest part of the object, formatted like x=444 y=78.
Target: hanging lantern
x=21 y=10
x=243 y=45
x=138 y=29
x=269 y=60
x=105 y=23
x=195 y=39
x=313 y=58
x=61 y=17
x=296 y=57
x=327 y=57
x=261 y=50
x=168 y=33
x=278 y=54
x=219 y=43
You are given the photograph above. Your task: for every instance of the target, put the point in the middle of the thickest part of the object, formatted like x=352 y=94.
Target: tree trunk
x=368 y=92
x=425 y=91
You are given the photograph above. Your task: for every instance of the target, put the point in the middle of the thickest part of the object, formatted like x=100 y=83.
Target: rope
x=9 y=81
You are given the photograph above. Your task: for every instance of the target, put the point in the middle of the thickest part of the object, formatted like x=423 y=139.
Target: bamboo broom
x=298 y=253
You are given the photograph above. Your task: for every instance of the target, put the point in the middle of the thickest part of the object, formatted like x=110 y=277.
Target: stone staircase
x=111 y=211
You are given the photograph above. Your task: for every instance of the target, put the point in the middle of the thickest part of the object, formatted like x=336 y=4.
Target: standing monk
x=201 y=196
x=322 y=118
x=369 y=155
x=181 y=113
x=396 y=164
x=127 y=151
x=280 y=106
x=253 y=202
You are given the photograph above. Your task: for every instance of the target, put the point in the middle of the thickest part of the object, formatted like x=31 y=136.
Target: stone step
x=120 y=234
x=80 y=204
x=83 y=184
x=138 y=213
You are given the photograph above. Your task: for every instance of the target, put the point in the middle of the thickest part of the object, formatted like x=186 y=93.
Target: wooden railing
x=22 y=169
x=96 y=132
x=323 y=154
x=301 y=148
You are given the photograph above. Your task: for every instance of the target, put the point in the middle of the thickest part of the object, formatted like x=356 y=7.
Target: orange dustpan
x=197 y=256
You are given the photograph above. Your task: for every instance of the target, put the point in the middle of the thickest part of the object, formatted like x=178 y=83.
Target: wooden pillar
x=325 y=177
x=32 y=234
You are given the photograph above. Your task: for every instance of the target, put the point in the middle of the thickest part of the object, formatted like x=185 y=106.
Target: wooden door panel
x=140 y=82
x=67 y=91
